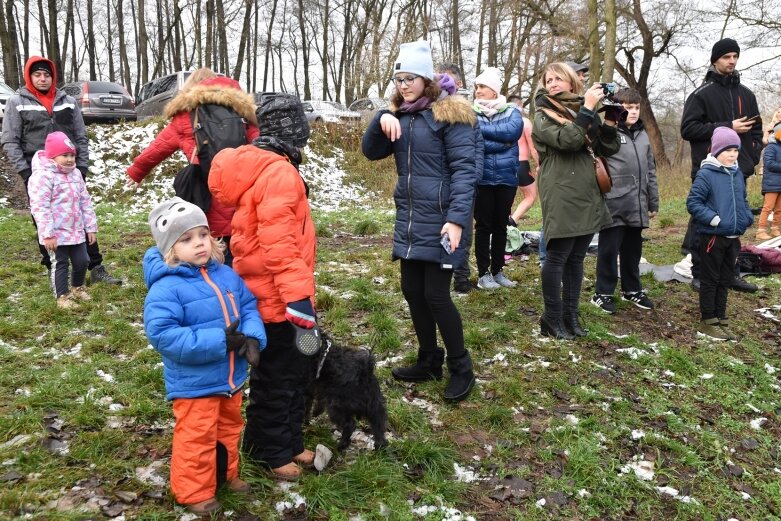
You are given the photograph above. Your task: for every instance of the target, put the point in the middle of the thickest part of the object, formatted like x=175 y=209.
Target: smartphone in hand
x=445 y=242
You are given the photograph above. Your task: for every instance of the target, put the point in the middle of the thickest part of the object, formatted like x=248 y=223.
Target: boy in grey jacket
x=633 y=202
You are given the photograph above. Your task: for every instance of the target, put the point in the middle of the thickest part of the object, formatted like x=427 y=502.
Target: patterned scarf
x=490 y=107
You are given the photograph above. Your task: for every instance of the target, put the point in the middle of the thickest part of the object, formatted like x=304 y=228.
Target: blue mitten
x=301 y=313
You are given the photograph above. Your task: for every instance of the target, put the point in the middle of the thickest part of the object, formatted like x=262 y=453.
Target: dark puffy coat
x=27 y=122
x=716 y=103
x=178 y=135
x=771 y=170
x=185 y=319
x=718 y=190
x=572 y=204
x=437 y=173
x=635 y=190
x=500 y=141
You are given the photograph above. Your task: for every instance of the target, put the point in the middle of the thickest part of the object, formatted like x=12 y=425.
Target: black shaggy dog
x=344 y=385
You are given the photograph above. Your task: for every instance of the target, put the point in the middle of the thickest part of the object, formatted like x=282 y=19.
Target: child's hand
x=234 y=339
x=50 y=243
x=91 y=237
x=251 y=350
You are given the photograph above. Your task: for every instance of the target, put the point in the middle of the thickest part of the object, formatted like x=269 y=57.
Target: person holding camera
x=633 y=202
x=566 y=131
x=721 y=101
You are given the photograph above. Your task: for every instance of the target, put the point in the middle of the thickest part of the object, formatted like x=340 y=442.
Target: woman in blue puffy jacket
x=203 y=320
x=432 y=136
x=501 y=125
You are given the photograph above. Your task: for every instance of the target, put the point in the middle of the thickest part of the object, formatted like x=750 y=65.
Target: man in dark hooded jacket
x=721 y=101
x=38 y=109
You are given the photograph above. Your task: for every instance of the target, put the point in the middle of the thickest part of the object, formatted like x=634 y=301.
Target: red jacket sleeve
x=177 y=135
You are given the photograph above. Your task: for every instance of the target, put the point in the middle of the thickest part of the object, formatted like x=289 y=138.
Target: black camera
x=610 y=90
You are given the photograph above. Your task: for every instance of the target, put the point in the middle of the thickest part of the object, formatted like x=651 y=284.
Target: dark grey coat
x=635 y=189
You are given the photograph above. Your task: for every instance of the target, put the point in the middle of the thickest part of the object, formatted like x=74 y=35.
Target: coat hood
x=713 y=164
x=451 y=110
x=229 y=184
x=35 y=59
x=216 y=91
x=155 y=268
x=722 y=79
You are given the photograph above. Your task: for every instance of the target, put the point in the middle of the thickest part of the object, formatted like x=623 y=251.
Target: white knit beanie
x=491 y=78
x=415 y=58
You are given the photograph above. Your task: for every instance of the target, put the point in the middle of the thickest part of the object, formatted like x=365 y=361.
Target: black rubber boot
x=427 y=367
x=572 y=325
x=554 y=329
x=462 y=378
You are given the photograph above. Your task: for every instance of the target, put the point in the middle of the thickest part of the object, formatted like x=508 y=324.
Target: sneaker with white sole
x=639 y=299
x=710 y=329
x=501 y=279
x=487 y=282
x=604 y=302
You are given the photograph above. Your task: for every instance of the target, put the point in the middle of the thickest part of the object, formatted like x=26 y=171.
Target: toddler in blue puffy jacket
x=203 y=320
x=717 y=203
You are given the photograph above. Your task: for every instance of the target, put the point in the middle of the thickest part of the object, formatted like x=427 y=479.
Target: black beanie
x=722 y=47
x=41 y=66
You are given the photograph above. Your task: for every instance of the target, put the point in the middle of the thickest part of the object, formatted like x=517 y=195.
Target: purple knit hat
x=723 y=138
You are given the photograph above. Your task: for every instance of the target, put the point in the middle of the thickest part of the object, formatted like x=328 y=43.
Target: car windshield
x=5 y=89
x=104 y=87
x=334 y=105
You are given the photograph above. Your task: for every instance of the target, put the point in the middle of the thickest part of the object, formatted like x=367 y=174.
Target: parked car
x=102 y=101
x=368 y=104
x=153 y=97
x=329 y=112
x=5 y=93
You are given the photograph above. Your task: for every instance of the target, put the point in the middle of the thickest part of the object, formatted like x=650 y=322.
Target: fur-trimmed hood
x=451 y=110
x=214 y=92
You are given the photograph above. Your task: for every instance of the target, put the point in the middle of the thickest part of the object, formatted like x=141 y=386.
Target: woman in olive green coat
x=566 y=125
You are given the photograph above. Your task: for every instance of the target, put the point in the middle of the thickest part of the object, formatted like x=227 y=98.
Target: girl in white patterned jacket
x=63 y=212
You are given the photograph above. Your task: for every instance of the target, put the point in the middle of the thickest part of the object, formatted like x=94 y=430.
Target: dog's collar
x=322 y=359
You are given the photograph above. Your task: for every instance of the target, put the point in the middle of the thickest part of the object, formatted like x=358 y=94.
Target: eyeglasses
x=407 y=80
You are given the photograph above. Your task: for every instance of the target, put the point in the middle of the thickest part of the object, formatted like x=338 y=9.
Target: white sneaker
x=684 y=266
x=501 y=279
x=487 y=282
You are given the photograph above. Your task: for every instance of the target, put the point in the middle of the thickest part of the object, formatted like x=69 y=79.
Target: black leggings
x=717 y=271
x=58 y=259
x=562 y=275
x=426 y=288
x=493 y=205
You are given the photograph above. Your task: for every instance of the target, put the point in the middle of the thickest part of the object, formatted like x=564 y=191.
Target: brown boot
x=239 y=486
x=289 y=472
x=762 y=235
x=775 y=231
x=66 y=302
x=305 y=459
x=80 y=293
x=205 y=507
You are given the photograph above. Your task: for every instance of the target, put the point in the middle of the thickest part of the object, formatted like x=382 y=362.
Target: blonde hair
x=565 y=72
x=218 y=253
x=198 y=76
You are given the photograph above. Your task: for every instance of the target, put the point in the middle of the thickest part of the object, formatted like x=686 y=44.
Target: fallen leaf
x=749 y=443
x=126 y=496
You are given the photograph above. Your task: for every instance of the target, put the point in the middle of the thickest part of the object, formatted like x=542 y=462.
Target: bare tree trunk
x=271 y=21
x=44 y=30
x=10 y=46
x=25 y=32
x=491 y=61
x=209 y=32
x=54 y=53
x=609 y=64
x=74 y=56
x=222 y=38
x=179 y=45
x=159 y=57
x=90 y=41
x=143 y=43
x=124 y=63
x=304 y=50
x=326 y=9
x=480 y=37
x=110 y=43
x=198 y=39
x=595 y=64
x=254 y=51
x=245 y=27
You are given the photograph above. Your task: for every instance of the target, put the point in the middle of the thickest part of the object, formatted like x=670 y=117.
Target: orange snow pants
x=200 y=424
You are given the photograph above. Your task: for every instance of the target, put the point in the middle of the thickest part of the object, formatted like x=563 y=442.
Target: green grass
x=565 y=417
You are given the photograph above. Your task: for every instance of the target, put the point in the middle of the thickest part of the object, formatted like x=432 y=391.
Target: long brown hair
x=431 y=90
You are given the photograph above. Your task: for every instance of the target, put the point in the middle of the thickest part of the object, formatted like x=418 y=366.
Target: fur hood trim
x=188 y=100
x=450 y=110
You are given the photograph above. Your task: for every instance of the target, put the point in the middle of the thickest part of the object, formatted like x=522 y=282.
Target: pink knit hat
x=57 y=144
x=723 y=138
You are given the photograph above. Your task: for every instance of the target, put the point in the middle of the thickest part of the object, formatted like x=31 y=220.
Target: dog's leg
x=378 y=419
x=346 y=424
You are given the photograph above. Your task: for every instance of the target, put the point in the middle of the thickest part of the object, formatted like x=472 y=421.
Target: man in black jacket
x=38 y=109
x=721 y=101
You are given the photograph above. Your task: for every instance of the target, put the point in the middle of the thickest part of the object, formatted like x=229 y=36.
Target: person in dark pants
x=38 y=109
x=432 y=135
x=721 y=101
x=717 y=203
x=633 y=202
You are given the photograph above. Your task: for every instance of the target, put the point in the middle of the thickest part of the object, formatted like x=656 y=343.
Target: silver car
x=329 y=112
x=5 y=93
x=102 y=101
x=153 y=97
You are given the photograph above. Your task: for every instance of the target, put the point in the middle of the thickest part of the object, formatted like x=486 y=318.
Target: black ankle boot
x=554 y=329
x=427 y=367
x=462 y=378
x=572 y=325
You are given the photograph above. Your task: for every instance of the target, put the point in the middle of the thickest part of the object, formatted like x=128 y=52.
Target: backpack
x=216 y=127
x=281 y=115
